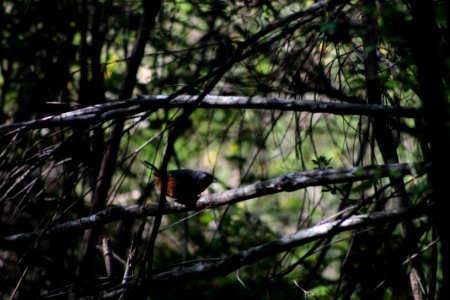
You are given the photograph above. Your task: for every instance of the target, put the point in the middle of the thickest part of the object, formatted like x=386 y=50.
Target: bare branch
x=108 y=257
x=223 y=266
x=125 y=108
x=286 y=183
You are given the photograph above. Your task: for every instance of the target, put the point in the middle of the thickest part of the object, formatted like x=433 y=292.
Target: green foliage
x=340 y=31
x=322 y=162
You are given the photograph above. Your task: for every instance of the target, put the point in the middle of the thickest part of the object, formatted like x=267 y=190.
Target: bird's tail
x=151 y=166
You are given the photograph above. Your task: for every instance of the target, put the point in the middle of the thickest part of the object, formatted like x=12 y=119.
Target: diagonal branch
x=286 y=183
x=222 y=266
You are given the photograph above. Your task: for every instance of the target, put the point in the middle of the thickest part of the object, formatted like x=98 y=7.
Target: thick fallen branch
x=223 y=266
x=125 y=108
x=286 y=183
x=209 y=268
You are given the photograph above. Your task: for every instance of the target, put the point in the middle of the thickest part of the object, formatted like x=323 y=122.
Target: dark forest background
x=326 y=124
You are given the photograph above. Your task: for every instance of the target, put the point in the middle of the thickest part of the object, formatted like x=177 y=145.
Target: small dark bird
x=184 y=185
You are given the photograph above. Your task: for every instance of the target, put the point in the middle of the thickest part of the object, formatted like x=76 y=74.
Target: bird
x=183 y=185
